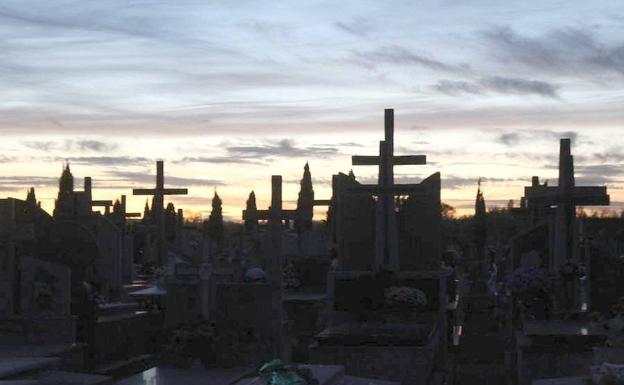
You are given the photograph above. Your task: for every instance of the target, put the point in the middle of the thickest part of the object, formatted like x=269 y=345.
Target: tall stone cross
x=158 y=210
x=273 y=257
x=386 y=229
x=566 y=196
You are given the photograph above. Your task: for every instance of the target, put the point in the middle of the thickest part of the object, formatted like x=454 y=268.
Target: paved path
x=480 y=357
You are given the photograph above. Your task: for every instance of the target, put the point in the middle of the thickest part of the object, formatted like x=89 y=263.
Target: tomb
x=562 y=343
x=387 y=238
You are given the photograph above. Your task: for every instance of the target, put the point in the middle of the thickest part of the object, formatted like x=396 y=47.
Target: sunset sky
x=230 y=92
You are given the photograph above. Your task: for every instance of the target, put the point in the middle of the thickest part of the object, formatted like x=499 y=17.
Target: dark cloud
x=514 y=138
x=40 y=145
x=452 y=87
x=509 y=138
x=397 y=55
x=285 y=147
x=82 y=145
x=455 y=182
x=498 y=84
x=269 y=29
x=217 y=160
x=450 y=182
x=106 y=160
x=605 y=170
x=7 y=159
x=611 y=155
x=562 y=51
x=519 y=86
x=22 y=182
x=144 y=178
x=315 y=181
x=356 y=27
x=93 y=145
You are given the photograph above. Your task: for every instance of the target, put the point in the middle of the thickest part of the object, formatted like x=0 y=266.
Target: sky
x=229 y=93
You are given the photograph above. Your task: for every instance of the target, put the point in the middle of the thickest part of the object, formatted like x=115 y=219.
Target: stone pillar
x=274 y=263
x=9 y=282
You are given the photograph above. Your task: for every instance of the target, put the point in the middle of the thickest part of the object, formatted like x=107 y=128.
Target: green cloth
x=277 y=372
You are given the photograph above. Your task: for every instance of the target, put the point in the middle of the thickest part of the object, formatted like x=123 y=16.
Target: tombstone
x=245 y=310
x=602 y=251
x=34 y=292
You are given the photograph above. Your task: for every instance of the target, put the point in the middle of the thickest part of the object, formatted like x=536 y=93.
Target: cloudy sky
x=230 y=92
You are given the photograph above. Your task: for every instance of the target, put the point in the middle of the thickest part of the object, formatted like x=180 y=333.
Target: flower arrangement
x=404 y=298
x=190 y=342
x=530 y=280
x=290 y=278
x=615 y=326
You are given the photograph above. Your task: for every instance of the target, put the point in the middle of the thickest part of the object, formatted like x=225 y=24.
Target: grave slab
x=163 y=375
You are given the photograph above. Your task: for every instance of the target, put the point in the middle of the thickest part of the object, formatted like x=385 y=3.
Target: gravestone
x=34 y=293
x=45 y=288
x=246 y=321
x=353 y=225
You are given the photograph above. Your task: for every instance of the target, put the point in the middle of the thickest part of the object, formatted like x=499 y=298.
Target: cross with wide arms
x=566 y=196
x=386 y=239
x=159 y=193
x=286 y=214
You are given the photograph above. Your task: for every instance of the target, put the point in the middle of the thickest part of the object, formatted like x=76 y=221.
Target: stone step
x=14 y=368
x=57 y=377
x=125 y=368
x=351 y=380
x=482 y=374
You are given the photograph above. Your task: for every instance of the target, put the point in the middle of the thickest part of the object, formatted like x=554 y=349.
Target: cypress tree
x=305 y=202
x=215 y=220
x=251 y=220
x=480 y=223
x=30 y=196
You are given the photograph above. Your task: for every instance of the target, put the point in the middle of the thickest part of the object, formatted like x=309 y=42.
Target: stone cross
x=123 y=208
x=386 y=232
x=287 y=214
x=88 y=189
x=273 y=261
x=158 y=210
x=566 y=196
x=102 y=203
